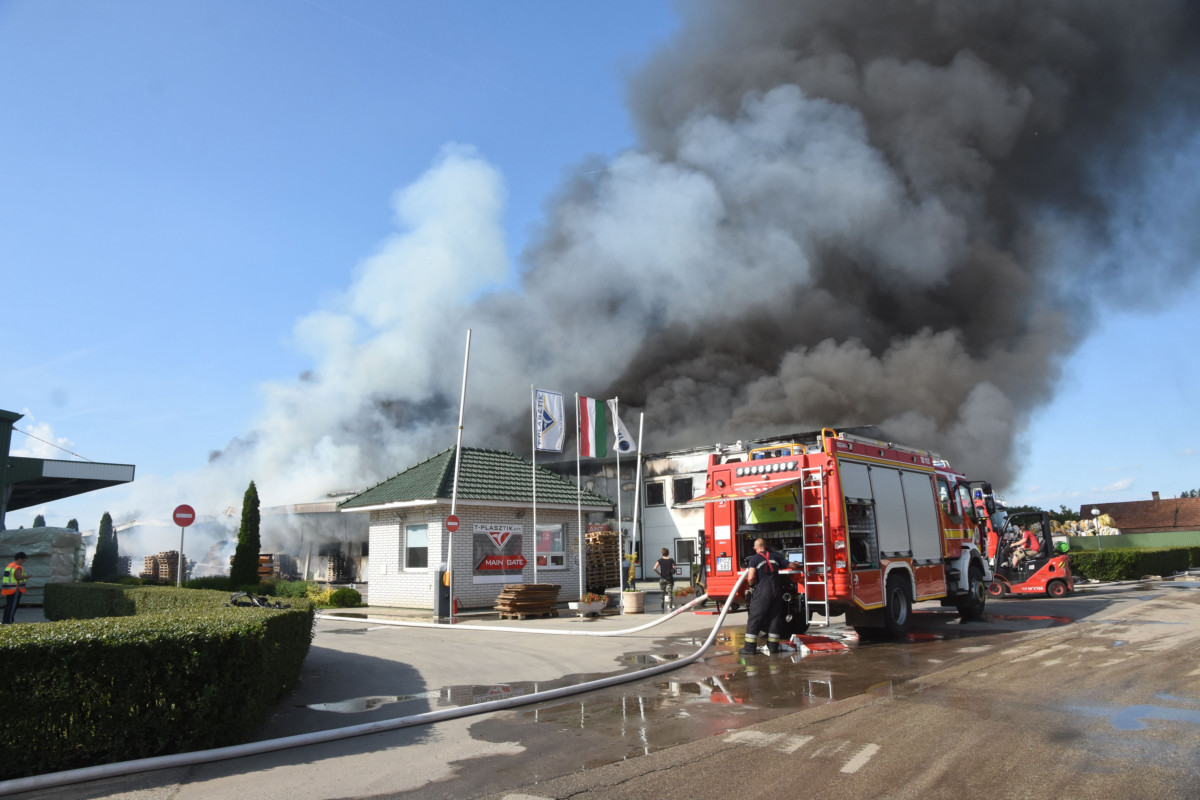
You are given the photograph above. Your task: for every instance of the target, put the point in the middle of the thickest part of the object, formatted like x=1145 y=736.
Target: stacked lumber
x=526 y=600
x=603 y=561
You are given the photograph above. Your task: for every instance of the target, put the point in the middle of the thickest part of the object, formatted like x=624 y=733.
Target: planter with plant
x=633 y=601
x=590 y=603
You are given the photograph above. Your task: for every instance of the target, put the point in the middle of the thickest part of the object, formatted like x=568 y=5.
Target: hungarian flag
x=593 y=428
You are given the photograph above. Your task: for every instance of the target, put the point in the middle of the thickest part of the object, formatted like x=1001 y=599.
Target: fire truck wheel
x=898 y=613
x=997 y=588
x=970 y=608
x=1056 y=589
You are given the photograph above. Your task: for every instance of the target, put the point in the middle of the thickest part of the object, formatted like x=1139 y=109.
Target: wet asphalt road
x=1087 y=696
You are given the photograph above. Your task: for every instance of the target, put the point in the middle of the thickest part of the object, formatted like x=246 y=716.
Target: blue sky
x=183 y=184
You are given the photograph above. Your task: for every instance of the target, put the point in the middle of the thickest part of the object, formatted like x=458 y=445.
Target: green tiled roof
x=485 y=475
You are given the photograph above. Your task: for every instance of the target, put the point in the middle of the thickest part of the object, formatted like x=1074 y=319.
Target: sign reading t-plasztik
x=497 y=556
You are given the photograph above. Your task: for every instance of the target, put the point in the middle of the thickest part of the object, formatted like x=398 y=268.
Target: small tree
x=104 y=562
x=73 y=525
x=39 y=521
x=244 y=571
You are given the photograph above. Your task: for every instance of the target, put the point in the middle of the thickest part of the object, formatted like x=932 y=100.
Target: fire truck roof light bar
x=763 y=469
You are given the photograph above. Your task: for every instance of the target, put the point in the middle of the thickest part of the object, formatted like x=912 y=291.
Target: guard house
x=496 y=541
x=26 y=482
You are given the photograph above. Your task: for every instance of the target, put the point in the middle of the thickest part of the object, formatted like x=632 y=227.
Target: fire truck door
x=891 y=515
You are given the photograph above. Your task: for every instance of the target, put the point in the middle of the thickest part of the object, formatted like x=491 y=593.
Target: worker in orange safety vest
x=13 y=587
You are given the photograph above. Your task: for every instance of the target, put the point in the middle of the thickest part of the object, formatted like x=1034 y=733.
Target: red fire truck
x=874 y=526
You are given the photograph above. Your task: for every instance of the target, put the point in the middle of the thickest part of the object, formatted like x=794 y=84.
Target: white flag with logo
x=549 y=422
x=625 y=442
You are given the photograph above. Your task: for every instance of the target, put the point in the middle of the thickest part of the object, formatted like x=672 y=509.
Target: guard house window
x=681 y=490
x=551 y=546
x=416 y=547
x=654 y=494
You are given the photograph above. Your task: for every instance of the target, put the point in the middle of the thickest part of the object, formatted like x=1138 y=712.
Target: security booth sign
x=497 y=555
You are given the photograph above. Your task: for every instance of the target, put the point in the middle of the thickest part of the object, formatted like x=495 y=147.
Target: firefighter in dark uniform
x=766 y=612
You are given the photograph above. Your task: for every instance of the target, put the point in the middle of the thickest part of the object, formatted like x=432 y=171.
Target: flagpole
x=462 y=402
x=620 y=532
x=533 y=434
x=579 y=493
x=637 y=481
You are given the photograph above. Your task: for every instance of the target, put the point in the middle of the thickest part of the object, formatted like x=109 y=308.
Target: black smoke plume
x=904 y=214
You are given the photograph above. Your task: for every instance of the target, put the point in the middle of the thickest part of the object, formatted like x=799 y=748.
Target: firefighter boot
x=773 y=647
x=751 y=647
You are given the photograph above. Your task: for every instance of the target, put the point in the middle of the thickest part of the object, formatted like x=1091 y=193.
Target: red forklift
x=1044 y=571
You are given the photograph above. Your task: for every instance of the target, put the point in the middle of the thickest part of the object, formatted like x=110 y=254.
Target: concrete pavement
x=1106 y=703
x=1103 y=708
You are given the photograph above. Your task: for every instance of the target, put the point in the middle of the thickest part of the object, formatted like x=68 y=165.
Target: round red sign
x=452 y=523
x=184 y=515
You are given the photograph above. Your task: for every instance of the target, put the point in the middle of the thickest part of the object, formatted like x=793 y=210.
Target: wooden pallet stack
x=602 y=558
x=527 y=600
x=161 y=567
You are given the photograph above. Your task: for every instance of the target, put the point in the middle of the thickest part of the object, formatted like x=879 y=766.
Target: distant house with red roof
x=1150 y=516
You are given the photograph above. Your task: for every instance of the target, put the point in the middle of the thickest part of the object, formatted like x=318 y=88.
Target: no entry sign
x=452 y=523
x=184 y=515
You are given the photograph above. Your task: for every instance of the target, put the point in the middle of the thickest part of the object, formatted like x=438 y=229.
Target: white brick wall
x=389 y=584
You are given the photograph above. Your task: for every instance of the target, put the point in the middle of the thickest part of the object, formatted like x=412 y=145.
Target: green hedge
x=95 y=600
x=219 y=582
x=291 y=588
x=184 y=672
x=1130 y=565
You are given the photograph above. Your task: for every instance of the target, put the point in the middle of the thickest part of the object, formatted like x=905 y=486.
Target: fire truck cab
x=875 y=527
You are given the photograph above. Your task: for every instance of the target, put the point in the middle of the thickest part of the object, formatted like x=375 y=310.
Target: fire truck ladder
x=812 y=508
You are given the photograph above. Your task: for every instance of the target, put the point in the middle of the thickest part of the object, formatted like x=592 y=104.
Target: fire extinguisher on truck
x=874 y=526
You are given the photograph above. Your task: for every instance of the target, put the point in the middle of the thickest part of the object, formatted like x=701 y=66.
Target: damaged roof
x=486 y=476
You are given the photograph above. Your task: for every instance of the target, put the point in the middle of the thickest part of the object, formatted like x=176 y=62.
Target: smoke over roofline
x=907 y=213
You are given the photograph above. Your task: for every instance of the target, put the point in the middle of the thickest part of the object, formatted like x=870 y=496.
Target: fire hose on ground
x=102 y=771
x=511 y=629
